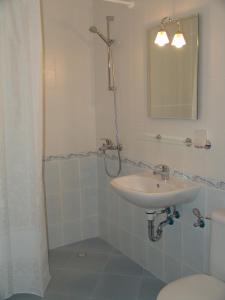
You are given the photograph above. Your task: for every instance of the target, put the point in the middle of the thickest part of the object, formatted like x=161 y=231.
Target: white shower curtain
x=23 y=245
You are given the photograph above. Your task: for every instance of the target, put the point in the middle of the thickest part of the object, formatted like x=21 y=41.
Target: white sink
x=151 y=192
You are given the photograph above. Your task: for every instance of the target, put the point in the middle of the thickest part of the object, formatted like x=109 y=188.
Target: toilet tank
x=217 y=248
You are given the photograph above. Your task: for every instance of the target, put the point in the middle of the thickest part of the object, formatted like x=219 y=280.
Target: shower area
x=63 y=232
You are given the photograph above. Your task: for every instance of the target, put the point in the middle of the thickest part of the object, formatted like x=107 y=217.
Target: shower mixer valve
x=109 y=145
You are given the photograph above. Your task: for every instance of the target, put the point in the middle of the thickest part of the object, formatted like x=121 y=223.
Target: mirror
x=173 y=73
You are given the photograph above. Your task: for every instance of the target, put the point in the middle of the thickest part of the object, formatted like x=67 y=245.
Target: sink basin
x=151 y=192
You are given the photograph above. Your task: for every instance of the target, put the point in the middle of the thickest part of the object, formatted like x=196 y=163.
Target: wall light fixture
x=162 y=36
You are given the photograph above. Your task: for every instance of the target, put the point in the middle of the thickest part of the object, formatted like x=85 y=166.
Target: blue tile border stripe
x=69 y=156
x=214 y=183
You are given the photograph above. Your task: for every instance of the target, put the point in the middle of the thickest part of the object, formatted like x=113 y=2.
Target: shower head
x=94 y=29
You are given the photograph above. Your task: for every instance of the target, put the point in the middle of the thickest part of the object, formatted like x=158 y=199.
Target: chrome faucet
x=109 y=145
x=162 y=170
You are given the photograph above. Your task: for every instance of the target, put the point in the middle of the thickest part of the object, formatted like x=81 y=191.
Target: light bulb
x=161 y=38
x=178 y=40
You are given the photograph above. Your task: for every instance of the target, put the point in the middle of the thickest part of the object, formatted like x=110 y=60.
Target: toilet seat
x=196 y=287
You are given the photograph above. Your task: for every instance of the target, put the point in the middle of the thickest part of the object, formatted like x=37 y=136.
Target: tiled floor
x=103 y=274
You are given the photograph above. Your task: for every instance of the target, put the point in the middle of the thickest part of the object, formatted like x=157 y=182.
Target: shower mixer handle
x=109 y=145
x=108 y=142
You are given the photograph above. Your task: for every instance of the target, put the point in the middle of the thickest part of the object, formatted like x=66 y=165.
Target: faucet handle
x=163 y=170
x=196 y=212
x=163 y=167
x=107 y=141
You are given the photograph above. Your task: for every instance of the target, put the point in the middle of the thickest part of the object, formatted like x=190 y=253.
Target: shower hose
x=118 y=147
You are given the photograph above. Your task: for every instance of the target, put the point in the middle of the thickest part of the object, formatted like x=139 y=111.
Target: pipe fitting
x=200 y=220
x=155 y=233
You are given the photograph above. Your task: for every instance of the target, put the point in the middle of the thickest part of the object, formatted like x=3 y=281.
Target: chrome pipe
x=109 y=42
x=155 y=233
x=111 y=75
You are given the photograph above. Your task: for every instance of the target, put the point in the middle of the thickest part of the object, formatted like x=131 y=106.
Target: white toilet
x=204 y=287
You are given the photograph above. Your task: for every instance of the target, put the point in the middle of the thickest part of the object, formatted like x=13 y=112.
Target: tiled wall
x=183 y=250
x=69 y=121
x=71 y=197
x=71 y=184
x=69 y=77
x=130 y=55
x=81 y=204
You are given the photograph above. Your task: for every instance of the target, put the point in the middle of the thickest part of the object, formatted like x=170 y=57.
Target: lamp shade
x=162 y=38
x=178 y=40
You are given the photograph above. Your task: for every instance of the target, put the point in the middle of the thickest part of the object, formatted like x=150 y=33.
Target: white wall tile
x=193 y=247
x=114 y=236
x=55 y=236
x=125 y=215
x=72 y=208
x=71 y=205
x=172 y=269
x=155 y=261
x=139 y=253
x=89 y=202
x=187 y=271
x=139 y=223
x=102 y=203
x=125 y=242
x=103 y=228
x=90 y=227
x=173 y=240
x=69 y=92
x=88 y=171
x=72 y=232
x=102 y=179
x=53 y=205
x=207 y=241
x=70 y=174
x=51 y=176
x=113 y=206
x=215 y=199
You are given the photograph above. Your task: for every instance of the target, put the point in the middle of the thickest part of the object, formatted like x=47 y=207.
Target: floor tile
x=72 y=283
x=94 y=262
x=95 y=245
x=150 y=288
x=104 y=274
x=59 y=257
x=115 y=287
x=122 y=265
